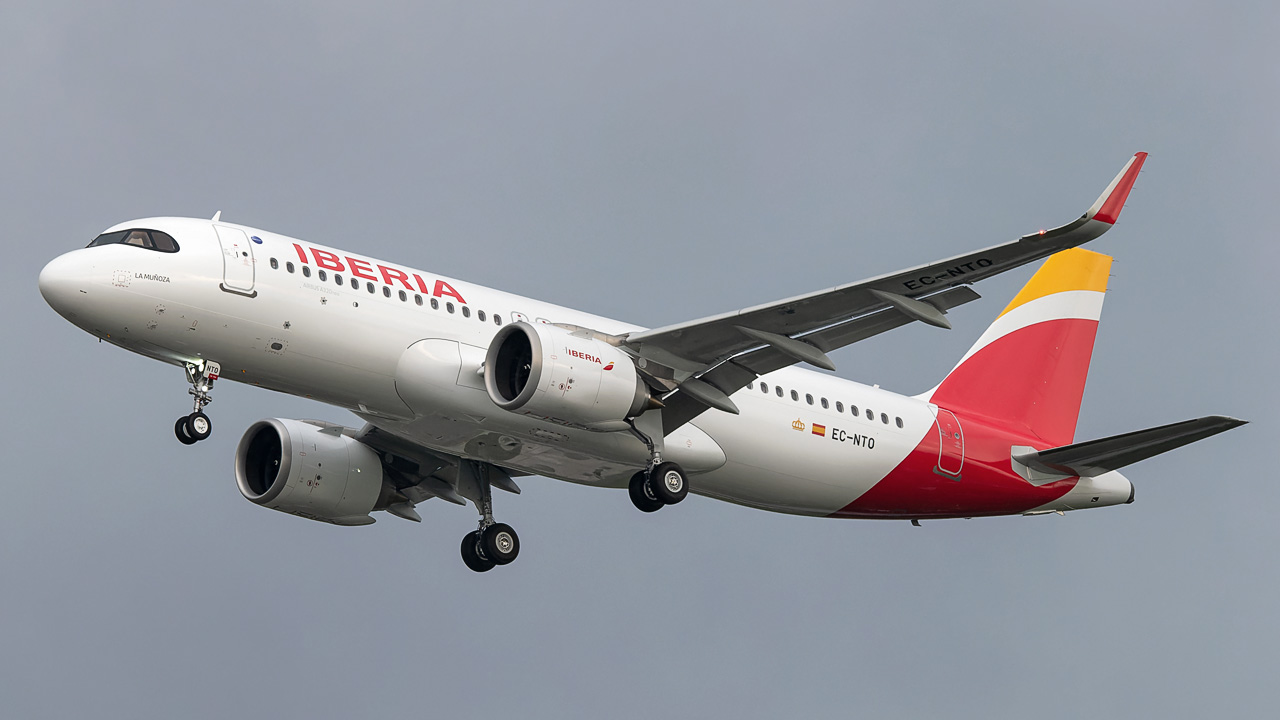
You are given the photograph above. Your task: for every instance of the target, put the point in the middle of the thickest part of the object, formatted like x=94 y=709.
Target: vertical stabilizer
x=1029 y=367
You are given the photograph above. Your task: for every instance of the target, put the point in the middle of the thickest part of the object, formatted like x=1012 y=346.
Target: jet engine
x=569 y=376
x=309 y=471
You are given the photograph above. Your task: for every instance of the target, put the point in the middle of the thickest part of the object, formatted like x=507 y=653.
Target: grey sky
x=651 y=163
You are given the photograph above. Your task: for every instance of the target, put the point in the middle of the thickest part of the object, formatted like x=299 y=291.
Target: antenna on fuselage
x=217 y=216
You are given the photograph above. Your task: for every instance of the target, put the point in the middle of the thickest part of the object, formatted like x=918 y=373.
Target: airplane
x=464 y=388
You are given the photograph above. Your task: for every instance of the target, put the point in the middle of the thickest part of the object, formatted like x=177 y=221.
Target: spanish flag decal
x=819 y=430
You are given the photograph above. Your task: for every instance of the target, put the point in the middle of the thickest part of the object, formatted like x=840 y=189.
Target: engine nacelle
x=568 y=376
x=298 y=468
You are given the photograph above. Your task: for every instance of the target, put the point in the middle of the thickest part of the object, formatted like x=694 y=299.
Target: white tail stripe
x=1068 y=305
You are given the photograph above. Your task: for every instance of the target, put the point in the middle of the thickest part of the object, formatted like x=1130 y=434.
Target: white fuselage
x=403 y=349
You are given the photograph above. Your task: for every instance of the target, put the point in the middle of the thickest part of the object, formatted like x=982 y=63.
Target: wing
x=703 y=361
x=419 y=473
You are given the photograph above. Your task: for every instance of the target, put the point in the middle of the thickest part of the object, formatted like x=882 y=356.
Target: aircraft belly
x=602 y=459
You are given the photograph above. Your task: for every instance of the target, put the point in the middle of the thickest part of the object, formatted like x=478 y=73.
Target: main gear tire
x=471 y=553
x=641 y=496
x=500 y=543
x=669 y=483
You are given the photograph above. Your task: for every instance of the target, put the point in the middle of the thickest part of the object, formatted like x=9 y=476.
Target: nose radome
x=58 y=284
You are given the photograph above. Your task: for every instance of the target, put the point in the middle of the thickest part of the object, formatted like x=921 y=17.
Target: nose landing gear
x=197 y=426
x=493 y=543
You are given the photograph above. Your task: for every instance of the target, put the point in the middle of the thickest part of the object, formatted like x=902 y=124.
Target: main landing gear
x=492 y=543
x=197 y=426
x=665 y=484
x=662 y=483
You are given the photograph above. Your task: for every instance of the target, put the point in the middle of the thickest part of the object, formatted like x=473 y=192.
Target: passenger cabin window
x=480 y=315
x=839 y=406
x=306 y=271
x=853 y=410
x=435 y=304
x=149 y=239
x=899 y=421
x=779 y=389
x=369 y=287
x=355 y=284
x=417 y=299
x=808 y=398
x=386 y=291
x=764 y=388
x=275 y=264
x=288 y=266
x=448 y=306
x=337 y=279
x=497 y=319
x=466 y=311
x=870 y=415
x=322 y=275
x=825 y=404
x=884 y=418
x=795 y=396
x=403 y=296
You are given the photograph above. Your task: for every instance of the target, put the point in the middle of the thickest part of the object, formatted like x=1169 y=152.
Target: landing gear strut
x=492 y=543
x=197 y=426
x=662 y=483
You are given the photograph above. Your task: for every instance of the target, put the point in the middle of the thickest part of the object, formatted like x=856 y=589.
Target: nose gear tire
x=180 y=429
x=199 y=425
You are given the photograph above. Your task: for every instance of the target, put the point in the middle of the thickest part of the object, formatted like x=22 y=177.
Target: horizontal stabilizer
x=1095 y=457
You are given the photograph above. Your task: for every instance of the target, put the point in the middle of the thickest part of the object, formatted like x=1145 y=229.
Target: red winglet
x=1112 y=201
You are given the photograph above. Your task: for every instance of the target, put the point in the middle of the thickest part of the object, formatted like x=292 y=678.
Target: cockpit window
x=149 y=239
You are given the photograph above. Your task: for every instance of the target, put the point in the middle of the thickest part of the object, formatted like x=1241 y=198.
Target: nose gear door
x=237 y=261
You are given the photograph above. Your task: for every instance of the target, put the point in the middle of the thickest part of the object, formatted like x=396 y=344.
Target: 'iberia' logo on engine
x=609 y=366
x=583 y=356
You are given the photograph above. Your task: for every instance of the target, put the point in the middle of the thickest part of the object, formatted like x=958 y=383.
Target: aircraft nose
x=59 y=284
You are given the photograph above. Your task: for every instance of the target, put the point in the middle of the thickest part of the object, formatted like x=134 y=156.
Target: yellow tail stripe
x=1074 y=269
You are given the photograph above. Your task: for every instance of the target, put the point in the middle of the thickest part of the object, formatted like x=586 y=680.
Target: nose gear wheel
x=197 y=426
x=180 y=429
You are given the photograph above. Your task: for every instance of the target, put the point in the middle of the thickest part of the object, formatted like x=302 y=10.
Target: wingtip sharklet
x=1108 y=206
